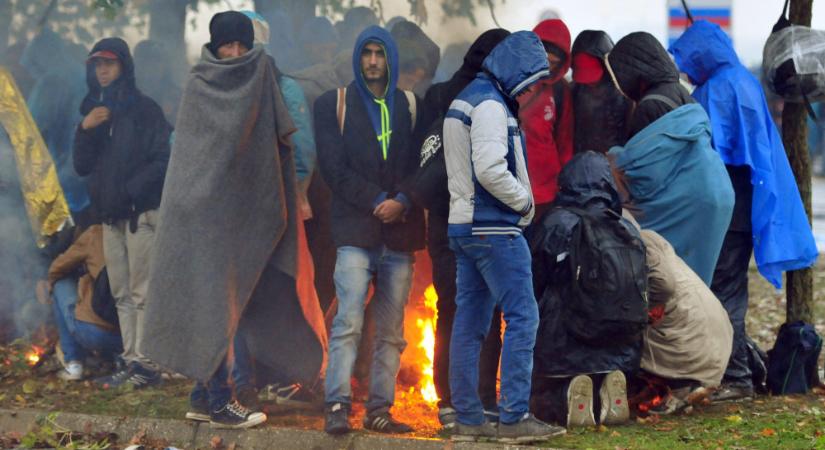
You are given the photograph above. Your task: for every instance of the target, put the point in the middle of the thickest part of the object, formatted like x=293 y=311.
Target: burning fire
x=427 y=327
x=33 y=356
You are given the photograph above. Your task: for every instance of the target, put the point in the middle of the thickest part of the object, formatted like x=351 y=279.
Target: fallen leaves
x=734 y=419
x=768 y=432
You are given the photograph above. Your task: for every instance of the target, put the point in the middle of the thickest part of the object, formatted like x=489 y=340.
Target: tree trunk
x=799 y=283
x=167 y=24
x=5 y=25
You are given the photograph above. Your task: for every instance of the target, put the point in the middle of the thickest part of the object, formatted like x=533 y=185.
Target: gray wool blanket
x=224 y=255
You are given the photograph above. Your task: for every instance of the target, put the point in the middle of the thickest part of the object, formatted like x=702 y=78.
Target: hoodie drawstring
x=384 y=137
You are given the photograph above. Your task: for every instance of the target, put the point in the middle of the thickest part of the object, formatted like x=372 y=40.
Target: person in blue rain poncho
x=769 y=218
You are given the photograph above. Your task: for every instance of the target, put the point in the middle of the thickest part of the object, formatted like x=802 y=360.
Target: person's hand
x=389 y=211
x=43 y=292
x=95 y=117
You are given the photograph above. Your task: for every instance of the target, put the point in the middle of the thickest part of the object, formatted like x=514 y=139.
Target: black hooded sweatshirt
x=642 y=67
x=124 y=158
x=598 y=103
x=430 y=185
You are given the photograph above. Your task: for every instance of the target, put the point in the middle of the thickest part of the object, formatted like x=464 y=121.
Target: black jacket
x=598 y=103
x=642 y=67
x=124 y=158
x=356 y=173
x=585 y=182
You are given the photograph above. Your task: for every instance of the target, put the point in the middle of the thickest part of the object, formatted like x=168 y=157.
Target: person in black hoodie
x=122 y=147
x=430 y=190
x=595 y=99
x=642 y=70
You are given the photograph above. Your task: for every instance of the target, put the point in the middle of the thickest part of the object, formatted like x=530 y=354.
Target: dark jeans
x=444 y=281
x=215 y=392
x=492 y=271
x=242 y=364
x=730 y=285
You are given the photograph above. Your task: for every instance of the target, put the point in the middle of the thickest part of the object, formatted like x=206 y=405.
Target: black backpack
x=608 y=290
x=103 y=302
x=792 y=360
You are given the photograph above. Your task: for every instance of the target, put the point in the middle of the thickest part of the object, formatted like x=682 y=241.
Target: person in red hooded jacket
x=547 y=117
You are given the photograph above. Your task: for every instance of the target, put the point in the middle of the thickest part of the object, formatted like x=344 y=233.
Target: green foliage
x=48 y=433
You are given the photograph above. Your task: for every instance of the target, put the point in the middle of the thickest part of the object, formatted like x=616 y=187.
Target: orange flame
x=427 y=326
x=33 y=355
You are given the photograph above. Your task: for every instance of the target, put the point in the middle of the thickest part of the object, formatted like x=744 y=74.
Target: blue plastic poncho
x=744 y=134
x=678 y=186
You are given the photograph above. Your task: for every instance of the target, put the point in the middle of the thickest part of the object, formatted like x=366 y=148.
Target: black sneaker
x=116 y=379
x=473 y=433
x=234 y=416
x=527 y=430
x=383 y=422
x=732 y=393
x=337 y=419
x=143 y=377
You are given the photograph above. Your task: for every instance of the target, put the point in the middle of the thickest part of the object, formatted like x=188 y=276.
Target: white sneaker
x=613 y=394
x=72 y=372
x=580 y=402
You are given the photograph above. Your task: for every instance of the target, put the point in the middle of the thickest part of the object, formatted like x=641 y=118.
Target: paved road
x=819 y=212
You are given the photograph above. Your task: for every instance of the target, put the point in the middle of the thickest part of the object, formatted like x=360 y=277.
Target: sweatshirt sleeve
x=489 y=137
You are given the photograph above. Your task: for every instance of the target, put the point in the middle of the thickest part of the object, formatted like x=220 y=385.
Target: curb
x=189 y=435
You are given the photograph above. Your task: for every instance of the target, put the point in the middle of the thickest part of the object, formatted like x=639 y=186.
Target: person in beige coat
x=690 y=338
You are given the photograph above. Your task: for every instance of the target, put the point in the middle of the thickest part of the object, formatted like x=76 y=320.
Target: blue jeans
x=242 y=365
x=215 y=393
x=355 y=267
x=78 y=338
x=492 y=271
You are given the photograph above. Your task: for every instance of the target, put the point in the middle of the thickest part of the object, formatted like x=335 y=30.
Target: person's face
x=373 y=62
x=231 y=50
x=107 y=71
x=407 y=81
x=555 y=63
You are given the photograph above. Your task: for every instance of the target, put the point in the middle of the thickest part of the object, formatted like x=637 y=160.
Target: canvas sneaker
x=72 y=372
x=580 y=402
x=613 y=394
x=336 y=421
x=116 y=379
x=233 y=415
x=447 y=417
x=473 y=433
x=732 y=393
x=527 y=430
x=382 y=422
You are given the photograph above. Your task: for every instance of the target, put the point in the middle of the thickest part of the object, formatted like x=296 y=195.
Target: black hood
x=639 y=58
x=473 y=60
x=119 y=94
x=585 y=178
x=593 y=42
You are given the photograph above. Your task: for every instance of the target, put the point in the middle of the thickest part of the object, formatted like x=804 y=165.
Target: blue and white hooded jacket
x=484 y=147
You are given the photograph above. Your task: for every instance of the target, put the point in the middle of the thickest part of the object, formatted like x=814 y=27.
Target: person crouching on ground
x=490 y=204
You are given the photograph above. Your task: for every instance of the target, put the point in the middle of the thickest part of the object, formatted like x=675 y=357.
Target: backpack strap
x=661 y=98
x=341 y=108
x=413 y=107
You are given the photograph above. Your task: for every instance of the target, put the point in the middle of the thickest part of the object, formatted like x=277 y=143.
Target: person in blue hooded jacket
x=367 y=157
x=768 y=218
x=491 y=203
x=54 y=101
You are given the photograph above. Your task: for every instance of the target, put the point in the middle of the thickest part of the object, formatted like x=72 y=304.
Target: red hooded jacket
x=547 y=127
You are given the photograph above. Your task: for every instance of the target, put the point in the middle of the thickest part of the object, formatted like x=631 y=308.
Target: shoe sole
x=530 y=439
x=197 y=417
x=248 y=424
x=613 y=394
x=580 y=402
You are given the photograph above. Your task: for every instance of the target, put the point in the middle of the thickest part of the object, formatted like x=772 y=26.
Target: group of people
x=608 y=221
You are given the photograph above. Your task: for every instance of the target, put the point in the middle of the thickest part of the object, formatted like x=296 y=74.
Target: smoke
x=21 y=262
